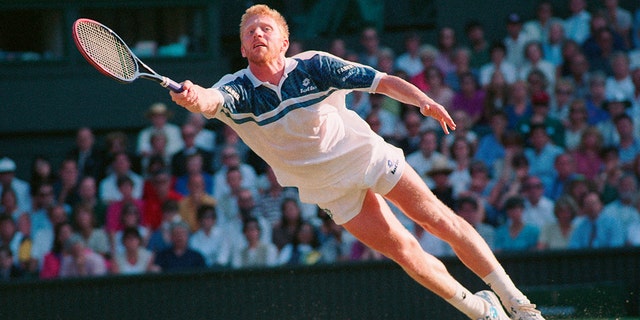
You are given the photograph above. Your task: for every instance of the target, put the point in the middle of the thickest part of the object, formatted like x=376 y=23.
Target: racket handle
x=172 y=85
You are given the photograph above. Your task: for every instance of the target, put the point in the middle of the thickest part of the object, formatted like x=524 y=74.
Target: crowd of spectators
x=546 y=157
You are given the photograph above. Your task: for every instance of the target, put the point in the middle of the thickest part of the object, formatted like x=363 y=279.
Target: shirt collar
x=289 y=65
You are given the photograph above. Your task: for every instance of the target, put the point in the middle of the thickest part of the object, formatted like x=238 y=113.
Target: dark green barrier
x=566 y=284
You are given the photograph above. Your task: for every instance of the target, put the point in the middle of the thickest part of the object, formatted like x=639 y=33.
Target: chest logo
x=307 y=86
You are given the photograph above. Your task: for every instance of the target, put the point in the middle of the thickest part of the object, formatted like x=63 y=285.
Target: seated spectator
x=576 y=124
x=193 y=166
x=109 y=191
x=609 y=176
x=409 y=60
x=161 y=238
x=116 y=142
x=620 y=82
x=561 y=100
x=21 y=188
x=588 y=154
x=95 y=238
x=552 y=46
x=628 y=145
x=438 y=90
x=490 y=146
x=498 y=62
x=335 y=241
x=518 y=107
x=231 y=159
x=88 y=196
x=284 y=231
x=8 y=270
x=188 y=206
x=469 y=99
x=461 y=59
x=460 y=178
x=446 y=47
x=158 y=115
x=480 y=189
x=135 y=259
x=129 y=218
x=516 y=235
x=496 y=98
x=205 y=138
x=41 y=171
x=624 y=207
x=615 y=106
x=157 y=157
x=80 y=261
x=115 y=209
x=579 y=75
x=596 y=99
x=9 y=203
x=538 y=209
x=66 y=186
x=303 y=250
x=86 y=154
x=555 y=235
x=410 y=139
x=470 y=210
x=565 y=169
x=426 y=155
x=51 y=262
x=442 y=188
x=474 y=31
x=542 y=154
x=156 y=192
x=427 y=54
x=596 y=230
x=211 y=240
x=256 y=253
x=179 y=257
x=179 y=166
x=270 y=200
x=534 y=60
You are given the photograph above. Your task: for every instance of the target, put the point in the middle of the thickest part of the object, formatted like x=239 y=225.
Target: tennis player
x=291 y=112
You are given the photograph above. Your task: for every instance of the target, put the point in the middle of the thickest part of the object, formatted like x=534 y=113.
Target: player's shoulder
x=238 y=76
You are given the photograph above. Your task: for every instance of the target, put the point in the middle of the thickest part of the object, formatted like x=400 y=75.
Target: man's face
x=262 y=40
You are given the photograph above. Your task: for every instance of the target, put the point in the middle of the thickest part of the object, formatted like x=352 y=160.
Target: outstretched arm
x=198 y=99
x=405 y=92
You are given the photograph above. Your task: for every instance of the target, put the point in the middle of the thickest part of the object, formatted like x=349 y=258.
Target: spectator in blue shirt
x=594 y=229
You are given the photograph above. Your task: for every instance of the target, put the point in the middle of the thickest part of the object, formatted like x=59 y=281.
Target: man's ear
x=242 y=52
x=285 y=45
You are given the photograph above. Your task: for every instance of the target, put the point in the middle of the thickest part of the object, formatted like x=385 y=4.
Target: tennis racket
x=106 y=51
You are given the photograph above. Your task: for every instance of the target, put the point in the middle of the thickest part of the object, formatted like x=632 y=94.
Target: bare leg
x=377 y=227
x=415 y=199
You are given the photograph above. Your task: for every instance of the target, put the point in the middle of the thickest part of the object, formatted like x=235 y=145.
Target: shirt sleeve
x=342 y=74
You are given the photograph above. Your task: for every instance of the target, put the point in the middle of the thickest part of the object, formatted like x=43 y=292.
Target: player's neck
x=269 y=71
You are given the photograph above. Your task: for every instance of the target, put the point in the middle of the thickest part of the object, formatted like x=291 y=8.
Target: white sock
x=502 y=285
x=472 y=306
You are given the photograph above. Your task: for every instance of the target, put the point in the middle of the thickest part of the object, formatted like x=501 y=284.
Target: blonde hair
x=264 y=10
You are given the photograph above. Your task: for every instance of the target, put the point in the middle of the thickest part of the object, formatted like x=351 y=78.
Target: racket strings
x=106 y=50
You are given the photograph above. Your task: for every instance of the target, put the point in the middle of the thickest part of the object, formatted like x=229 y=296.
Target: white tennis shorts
x=344 y=200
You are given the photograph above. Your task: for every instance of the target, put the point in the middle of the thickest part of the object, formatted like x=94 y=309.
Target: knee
x=407 y=249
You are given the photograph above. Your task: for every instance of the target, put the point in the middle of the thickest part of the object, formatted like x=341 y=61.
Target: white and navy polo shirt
x=301 y=127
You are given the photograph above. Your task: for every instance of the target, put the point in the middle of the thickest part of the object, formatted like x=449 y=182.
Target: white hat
x=7 y=165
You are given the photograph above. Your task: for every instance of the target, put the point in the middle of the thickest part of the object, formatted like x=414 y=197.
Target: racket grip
x=172 y=85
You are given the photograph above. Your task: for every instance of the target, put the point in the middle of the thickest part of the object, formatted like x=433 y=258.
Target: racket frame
x=147 y=73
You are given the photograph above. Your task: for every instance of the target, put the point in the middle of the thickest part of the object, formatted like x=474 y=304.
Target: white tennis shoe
x=523 y=309
x=496 y=312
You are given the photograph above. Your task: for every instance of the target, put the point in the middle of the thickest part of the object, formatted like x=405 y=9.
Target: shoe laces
x=522 y=307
